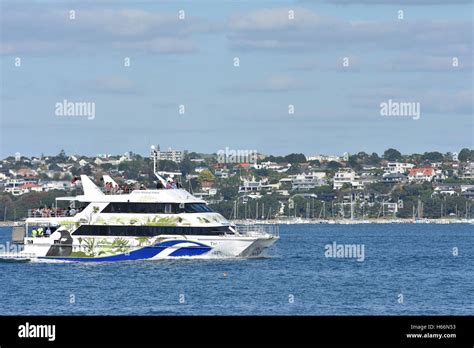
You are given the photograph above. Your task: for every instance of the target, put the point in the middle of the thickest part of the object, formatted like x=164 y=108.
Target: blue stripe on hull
x=145 y=253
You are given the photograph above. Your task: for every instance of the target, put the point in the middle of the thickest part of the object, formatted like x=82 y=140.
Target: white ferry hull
x=103 y=250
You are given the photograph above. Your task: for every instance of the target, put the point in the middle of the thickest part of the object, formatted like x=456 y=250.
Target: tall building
x=170 y=155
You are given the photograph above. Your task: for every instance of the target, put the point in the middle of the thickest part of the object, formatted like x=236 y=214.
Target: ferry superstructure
x=142 y=224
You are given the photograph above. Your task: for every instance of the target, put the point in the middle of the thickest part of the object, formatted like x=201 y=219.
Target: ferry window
x=197 y=208
x=141 y=208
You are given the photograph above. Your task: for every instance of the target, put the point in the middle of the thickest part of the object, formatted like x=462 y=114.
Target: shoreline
x=354 y=222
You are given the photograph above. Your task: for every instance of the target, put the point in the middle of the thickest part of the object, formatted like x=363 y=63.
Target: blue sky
x=190 y=62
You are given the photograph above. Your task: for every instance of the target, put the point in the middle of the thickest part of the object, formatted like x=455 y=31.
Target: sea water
x=406 y=269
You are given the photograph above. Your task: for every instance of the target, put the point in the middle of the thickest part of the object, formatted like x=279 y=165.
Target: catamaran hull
x=202 y=248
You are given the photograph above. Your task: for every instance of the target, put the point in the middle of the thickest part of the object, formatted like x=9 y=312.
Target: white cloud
x=398 y=2
x=275 y=83
x=48 y=30
x=271 y=29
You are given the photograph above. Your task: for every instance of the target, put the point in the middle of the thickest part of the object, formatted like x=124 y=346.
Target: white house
x=344 y=176
x=421 y=174
x=308 y=181
x=397 y=167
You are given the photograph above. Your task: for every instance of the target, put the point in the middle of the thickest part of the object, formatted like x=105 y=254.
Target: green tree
x=186 y=165
x=333 y=165
x=392 y=155
x=295 y=158
x=466 y=155
x=433 y=156
x=206 y=175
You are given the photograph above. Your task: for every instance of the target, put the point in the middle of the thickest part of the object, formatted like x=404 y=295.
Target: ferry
x=164 y=223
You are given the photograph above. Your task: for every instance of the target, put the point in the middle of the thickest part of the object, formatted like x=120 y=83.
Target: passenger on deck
x=168 y=184
x=159 y=185
x=177 y=184
x=48 y=232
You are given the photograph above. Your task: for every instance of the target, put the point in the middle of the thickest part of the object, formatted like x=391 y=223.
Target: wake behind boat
x=140 y=225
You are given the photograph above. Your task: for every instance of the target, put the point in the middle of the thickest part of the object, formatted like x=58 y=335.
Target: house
x=255 y=186
x=447 y=189
x=368 y=178
x=425 y=174
x=326 y=158
x=243 y=165
x=304 y=182
x=344 y=176
x=222 y=173
x=279 y=167
x=397 y=167
x=468 y=171
x=205 y=194
x=31 y=187
x=467 y=191
x=394 y=177
x=57 y=185
x=207 y=185
x=17 y=187
x=26 y=173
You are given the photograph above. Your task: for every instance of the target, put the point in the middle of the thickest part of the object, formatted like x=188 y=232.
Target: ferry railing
x=40 y=213
x=257 y=230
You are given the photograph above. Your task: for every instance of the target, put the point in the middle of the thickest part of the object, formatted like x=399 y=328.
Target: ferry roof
x=93 y=194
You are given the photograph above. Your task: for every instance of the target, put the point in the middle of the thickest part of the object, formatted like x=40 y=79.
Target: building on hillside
x=446 y=189
x=252 y=185
x=397 y=167
x=425 y=174
x=344 y=176
x=207 y=185
x=394 y=178
x=468 y=171
x=305 y=182
x=170 y=155
x=26 y=173
x=222 y=173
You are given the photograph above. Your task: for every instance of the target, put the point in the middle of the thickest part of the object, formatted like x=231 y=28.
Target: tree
x=433 y=156
x=354 y=162
x=294 y=169
x=295 y=158
x=62 y=155
x=206 y=175
x=374 y=159
x=466 y=155
x=333 y=165
x=392 y=155
x=186 y=165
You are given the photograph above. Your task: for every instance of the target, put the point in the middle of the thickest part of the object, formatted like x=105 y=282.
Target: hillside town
x=249 y=185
